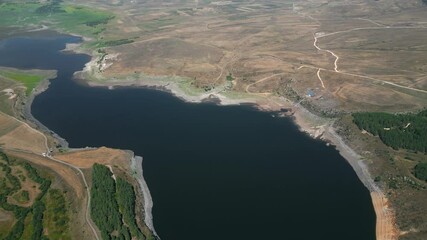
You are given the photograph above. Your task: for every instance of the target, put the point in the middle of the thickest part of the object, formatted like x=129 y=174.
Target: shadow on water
x=214 y=172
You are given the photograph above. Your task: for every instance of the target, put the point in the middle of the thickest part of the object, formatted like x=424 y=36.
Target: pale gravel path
x=320 y=78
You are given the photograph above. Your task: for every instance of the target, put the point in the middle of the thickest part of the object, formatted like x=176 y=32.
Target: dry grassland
x=16 y=135
x=377 y=43
x=106 y=156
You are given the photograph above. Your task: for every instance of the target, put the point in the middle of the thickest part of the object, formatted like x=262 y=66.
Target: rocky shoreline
x=136 y=166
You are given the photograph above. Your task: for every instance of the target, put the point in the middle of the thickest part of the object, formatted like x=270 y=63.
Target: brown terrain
x=352 y=55
x=85 y=158
x=348 y=52
x=385 y=225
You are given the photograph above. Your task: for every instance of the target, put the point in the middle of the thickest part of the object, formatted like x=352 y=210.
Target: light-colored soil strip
x=136 y=166
x=385 y=229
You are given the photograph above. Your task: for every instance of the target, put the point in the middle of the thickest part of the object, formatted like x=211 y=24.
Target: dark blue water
x=214 y=172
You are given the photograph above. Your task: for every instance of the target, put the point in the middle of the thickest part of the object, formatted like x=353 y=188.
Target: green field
x=56 y=217
x=74 y=19
x=30 y=81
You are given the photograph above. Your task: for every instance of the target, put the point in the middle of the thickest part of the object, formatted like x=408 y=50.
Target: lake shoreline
x=307 y=122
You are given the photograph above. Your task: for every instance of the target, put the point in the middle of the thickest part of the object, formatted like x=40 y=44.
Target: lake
x=214 y=172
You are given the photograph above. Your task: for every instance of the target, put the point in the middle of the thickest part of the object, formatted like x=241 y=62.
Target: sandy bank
x=385 y=228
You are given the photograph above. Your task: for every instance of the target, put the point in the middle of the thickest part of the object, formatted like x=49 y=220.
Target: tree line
x=407 y=131
x=113 y=206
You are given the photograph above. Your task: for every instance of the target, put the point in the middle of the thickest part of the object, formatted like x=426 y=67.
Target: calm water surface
x=214 y=172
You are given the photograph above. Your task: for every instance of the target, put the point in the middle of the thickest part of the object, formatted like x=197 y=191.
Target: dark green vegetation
x=126 y=200
x=22 y=196
x=104 y=208
x=111 y=203
x=56 y=215
x=102 y=44
x=420 y=171
x=30 y=220
x=230 y=77
x=75 y=19
x=407 y=131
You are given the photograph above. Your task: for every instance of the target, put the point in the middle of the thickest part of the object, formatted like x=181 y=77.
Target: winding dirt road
x=380 y=27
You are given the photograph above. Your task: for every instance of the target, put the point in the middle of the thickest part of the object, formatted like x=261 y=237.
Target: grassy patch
x=6 y=225
x=22 y=196
x=56 y=217
x=156 y=24
x=30 y=81
x=29 y=228
x=189 y=89
x=76 y=19
x=229 y=77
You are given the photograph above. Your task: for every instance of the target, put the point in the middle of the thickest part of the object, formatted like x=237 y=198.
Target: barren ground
x=354 y=54
x=85 y=158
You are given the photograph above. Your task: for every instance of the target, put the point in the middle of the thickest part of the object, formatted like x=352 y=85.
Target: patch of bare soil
x=17 y=135
x=385 y=229
x=26 y=185
x=69 y=175
x=6 y=216
x=85 y=158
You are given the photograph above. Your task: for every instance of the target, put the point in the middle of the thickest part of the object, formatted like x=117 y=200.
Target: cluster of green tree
x=56 y=214
x=420 y=171
x=406 y=131
x=21 y=212
x=104 y=208
x=107 y=200
x=126 y=200
x=229 y=77
x=98 y=21
x=52 y=6
x=15 y=184
x=113 y=43
x=33 y=175
x=38 y=210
